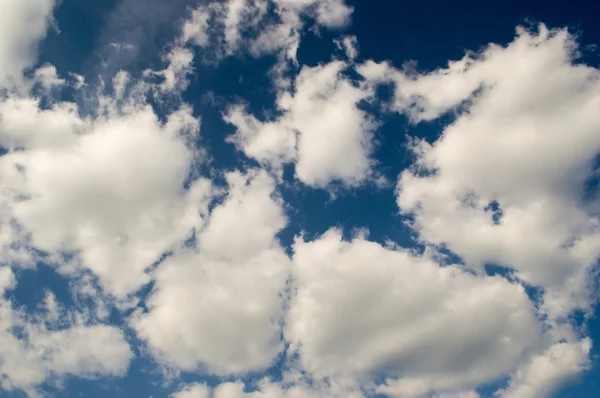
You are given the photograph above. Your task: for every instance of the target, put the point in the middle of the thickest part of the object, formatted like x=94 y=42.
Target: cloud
x=22 y=25
x=110 y=189
x=236 y=279
x=34 y=350
x=130 y=29
x=195 y=28
x=48 y=78
x=333 y=13
x=268 y=389
x=363 y=310
x=505 y=183
x=193 y=391
x=110 y=197
x=548 y=371
x=321 y=129
x=349 y=44
x=260 y=27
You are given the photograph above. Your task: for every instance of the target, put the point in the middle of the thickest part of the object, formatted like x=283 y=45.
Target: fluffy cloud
x=322 y=129
x=506 y=182
x=249 y=25
x=549 y=370
x=235 y=279
x=22 y=25
x=110 y=196
x=109 y=189
x=269 y=389
x=33 y=349
x=193 y=391
x=365 y=310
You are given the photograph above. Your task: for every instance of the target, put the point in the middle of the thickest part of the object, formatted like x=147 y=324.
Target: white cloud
x=109 y=189
x=193 y=391
x=32 y=353
x=546 y=372
x=7 y=280
x=350 y=46
x=235 y=280
x=47 y=77
x=321 y=123
x=333 y=13
x=468 y=394
x=270 y=144
x=195 y=29
x=22 y=25
x=242 y=26
x=269 y=389
x=177 y=71
x=363 y=310
x=527 y=142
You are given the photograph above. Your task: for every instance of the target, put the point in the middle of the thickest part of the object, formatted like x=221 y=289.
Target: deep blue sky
x=431 y=32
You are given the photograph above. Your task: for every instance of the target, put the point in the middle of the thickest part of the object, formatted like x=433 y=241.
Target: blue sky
x=299 y=198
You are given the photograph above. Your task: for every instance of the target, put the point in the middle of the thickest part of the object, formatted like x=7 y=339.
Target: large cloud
x=22 y=25
x=506 y=182
x=260 y=26
x=226 y=296
x=364 y=310
x=47 y=346
x=110 y=189
x=546 y=372
x=322 y=129
x=292 y=387
x=114 y=195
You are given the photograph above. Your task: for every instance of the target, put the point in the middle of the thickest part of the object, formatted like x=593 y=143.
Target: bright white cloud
x=237 y=26
x=22 y=25
x=350 y=46
x=361 y=309
x=195 y=29
x=548 y=371
x=503 y=185
x=322 y=129
x=48 y=78
x=269 y=389
x=31 y=352
x=110 y=189
x=333 y=13
x=235 y=279
x=526 y=143
x=193 y=391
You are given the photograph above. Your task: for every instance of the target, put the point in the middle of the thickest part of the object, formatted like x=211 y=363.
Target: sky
x=299 y=199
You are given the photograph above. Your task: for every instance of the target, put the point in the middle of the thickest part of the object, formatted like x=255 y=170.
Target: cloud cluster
x=260 y=26
x=226 y=293
x=507 y=182
x=322 y=129
x=22 y=26
x=56 y=342
x=112 y=198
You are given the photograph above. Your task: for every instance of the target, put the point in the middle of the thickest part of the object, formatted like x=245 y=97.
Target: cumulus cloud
x=549 y=370
x=22 y=25
x=236 y=280
x=361 y=309
x=505 y=182
x=261 y=26
x=193 y=391
x=34 y=349
x=111 y=198
x=322 y=129
x=268 y=389
x=109 y=189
